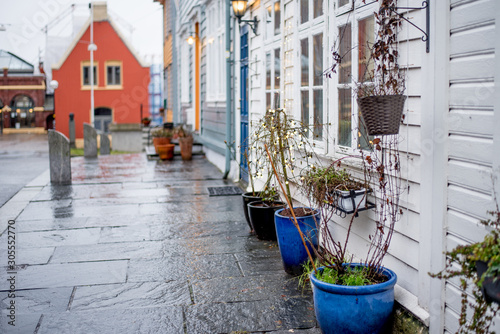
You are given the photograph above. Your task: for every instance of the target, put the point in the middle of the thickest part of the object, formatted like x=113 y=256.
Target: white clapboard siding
x=470 y=132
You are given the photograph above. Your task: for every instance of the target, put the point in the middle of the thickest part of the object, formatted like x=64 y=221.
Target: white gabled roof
x=80 y=34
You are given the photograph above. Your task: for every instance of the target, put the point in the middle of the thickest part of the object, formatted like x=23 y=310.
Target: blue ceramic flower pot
x=353 y=309
x=293 y=252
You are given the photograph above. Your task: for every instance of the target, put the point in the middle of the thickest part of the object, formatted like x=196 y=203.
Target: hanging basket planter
x=382 y=113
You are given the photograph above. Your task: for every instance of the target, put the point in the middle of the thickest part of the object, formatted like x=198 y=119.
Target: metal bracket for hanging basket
x=425 y=5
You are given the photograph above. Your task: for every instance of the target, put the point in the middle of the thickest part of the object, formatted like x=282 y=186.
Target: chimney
x=5 y=71
x=100 y=11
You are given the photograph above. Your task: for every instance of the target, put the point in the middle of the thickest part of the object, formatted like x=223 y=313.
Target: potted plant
x=146 y=121
x=336 y=187
x=282 y=142
x=161 y=137
x=478 y=267
x=185 y=139
x=261 y=214
x=166 y=151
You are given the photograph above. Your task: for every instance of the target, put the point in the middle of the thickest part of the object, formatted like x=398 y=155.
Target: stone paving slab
x=66 y=275
x=165 y=320
x=131 y=295
x=251 y=316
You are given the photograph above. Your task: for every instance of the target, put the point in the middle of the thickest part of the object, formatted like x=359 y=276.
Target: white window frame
x=311 y=20
x=358 y=14
x=215 y=49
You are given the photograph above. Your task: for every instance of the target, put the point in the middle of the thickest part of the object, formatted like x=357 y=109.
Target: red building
x=23 y=102
x=120 y=78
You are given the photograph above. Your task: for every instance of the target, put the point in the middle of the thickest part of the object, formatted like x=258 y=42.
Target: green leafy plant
x=461 y=263
x=162 y=133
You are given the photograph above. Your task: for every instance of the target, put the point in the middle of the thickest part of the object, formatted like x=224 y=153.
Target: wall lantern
x=239 y=8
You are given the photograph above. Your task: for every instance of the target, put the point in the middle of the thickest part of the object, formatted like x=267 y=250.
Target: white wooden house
x=451 y=124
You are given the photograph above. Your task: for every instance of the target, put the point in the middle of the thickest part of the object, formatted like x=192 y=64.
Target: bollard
x=72 y=130
x=60 y=158
x=89 y=141
x=105 y=148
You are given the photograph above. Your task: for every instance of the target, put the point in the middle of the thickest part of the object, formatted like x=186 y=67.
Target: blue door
x=244 y=102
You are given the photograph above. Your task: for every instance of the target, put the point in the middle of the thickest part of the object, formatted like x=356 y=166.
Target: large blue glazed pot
x=293 y=252
x=353 y=309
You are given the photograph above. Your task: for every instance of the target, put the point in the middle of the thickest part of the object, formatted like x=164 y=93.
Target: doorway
x=102 y=119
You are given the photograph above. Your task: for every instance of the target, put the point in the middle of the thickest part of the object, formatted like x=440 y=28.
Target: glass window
x=318 y=59
x=318 y=114
x=268 y=70
x=304 y=61
x=366 y=35
x=318 y=8
x=113 y=75
x=304 y=108
x=344 y=116
x=277 y=66
x=345 y=53
x=304 y=11
x=277 y=18
x=86 y=75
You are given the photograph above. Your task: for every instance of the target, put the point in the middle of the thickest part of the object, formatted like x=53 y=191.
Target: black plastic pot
x=491 y=287
x=248 y=198
x=262 y=219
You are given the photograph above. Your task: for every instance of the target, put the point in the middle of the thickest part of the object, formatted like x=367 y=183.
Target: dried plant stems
x=289 y=203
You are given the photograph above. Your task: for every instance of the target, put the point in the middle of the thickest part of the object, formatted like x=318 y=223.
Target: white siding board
x=471 y=121
x=476 y=94
x=471 y=149
x=470 y=175
x=461 y=224
x=472 y=68
x=472 y=41
x=466 y=200
x=410 y=53
x=472 y=13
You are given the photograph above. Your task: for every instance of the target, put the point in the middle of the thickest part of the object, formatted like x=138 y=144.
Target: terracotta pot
x=160 y=141
x=166 y=152
x=186 y=145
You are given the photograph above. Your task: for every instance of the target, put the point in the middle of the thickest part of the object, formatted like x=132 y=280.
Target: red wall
x=125 y=103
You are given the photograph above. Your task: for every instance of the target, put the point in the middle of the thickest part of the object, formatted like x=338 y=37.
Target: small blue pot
x=293 y=252
x=353 y=309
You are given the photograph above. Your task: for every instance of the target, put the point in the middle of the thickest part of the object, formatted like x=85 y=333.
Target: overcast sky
x=24 y=20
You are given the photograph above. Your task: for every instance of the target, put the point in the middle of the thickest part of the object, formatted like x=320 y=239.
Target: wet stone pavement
x=138 y=246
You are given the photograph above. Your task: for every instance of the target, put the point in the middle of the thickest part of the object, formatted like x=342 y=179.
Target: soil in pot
x=166 y=152
x=261 y=216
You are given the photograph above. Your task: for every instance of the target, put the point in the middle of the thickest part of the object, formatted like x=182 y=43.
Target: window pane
x=304 y=62
x=268 y=70
x=276 y=100
x=117 y=75
x=95 y=75
x=269 y=20
x=110 y=75
x=277 y=65
x=304 y=11
x=304 y=107
x=343 y=2
x=345 y=53
x=345 y=116
x=366 y=31
x=268 y=101
x=318 y=59
x=277 y=18
x=318 y=114
x=86 y=75
x=318 y=8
